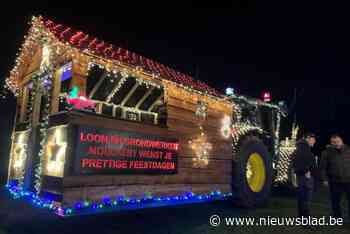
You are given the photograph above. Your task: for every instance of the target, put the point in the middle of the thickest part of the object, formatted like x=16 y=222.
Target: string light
x=286 y=150
x=255 y=102
x=240 y=129
x=200 y=144
x=79 y=47
x=226 y=127
x=277 y=133
x=201 y=110
x=113 y=204
x=201 y=147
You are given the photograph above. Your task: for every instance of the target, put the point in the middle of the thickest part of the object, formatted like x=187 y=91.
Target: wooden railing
x=123 y=112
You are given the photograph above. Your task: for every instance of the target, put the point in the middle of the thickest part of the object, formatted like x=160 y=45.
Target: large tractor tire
x=252 y=174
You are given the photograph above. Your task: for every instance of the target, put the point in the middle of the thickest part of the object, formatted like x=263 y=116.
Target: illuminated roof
x=83 y=41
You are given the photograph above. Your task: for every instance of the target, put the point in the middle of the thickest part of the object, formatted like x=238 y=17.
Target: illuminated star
x=55 y=150
x=201 y=147
x=19 y=152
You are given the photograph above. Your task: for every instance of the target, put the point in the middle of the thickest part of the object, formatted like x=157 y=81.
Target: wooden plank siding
x=138 y=191
x=181 y=124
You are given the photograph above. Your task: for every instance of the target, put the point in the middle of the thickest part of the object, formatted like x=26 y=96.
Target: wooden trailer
x=100 y=127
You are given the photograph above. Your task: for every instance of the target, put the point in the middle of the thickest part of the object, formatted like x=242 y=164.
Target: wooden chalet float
x=95 y=120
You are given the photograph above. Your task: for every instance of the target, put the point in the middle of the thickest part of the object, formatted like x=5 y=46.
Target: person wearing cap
x=304 y=164
x=335 y=172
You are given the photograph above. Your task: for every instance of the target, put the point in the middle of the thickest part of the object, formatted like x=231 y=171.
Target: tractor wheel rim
x=255 y=172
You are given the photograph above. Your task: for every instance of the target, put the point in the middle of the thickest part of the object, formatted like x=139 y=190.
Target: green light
x=74 y=92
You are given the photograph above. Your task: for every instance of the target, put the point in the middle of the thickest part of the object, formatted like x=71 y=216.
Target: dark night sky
x=252 y=47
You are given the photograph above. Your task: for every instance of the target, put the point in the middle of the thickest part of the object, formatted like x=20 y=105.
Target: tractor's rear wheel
x=252 y=174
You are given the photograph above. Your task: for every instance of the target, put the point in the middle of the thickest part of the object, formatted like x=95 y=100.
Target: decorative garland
x=43 y=85
x=31 y=104
x=44 y=123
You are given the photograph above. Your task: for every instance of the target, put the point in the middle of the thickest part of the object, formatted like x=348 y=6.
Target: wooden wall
x=183 y=125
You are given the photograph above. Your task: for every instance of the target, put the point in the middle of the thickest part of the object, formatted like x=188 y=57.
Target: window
x=266 y=118
x=126 y=97
x=66 y=77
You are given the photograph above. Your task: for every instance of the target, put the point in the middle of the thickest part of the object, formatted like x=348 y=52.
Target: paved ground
x=19 y=217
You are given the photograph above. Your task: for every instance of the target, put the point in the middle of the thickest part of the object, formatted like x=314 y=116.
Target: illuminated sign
x=108 y=151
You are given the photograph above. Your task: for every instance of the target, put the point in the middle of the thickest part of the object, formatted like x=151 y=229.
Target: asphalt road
x=18 y=217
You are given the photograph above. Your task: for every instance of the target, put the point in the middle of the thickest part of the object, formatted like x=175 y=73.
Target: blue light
x=107 y=204
x=107 y=201
x=229 y=91
x=78 y=205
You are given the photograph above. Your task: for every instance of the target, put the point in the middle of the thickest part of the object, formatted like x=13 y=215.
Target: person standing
x=335 y=167
x=304 y=164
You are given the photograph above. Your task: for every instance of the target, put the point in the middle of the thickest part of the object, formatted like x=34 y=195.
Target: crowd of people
x=332 y=171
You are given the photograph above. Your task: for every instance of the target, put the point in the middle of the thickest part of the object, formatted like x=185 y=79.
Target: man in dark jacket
x=335 y=167
x=304 y=164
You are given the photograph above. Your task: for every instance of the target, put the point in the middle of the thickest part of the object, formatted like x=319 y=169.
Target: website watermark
x=215 y=221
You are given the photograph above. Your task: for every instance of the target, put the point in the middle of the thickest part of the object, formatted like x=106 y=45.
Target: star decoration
x=19 y=152
x=202 y=110
x=201 y=147
x=55 y=154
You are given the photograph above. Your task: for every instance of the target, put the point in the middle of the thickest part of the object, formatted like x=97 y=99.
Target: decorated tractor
x=100 y=128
